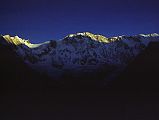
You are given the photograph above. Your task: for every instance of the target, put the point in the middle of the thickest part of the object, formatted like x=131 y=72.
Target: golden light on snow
x=19 y=41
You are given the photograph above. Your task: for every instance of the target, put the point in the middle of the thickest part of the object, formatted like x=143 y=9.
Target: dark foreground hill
x=143 y=73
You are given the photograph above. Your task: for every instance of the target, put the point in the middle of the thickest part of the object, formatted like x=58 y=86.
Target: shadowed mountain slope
x=16 y=75
x=78 y=60
x=143 y=72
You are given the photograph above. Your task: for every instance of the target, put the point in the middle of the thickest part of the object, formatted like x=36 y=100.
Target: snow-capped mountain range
x=80 y=53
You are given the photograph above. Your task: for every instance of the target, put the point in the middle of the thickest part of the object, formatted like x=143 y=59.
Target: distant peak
x=84 y=34
x=95 y=37
x=150 y=35
x=16 y=40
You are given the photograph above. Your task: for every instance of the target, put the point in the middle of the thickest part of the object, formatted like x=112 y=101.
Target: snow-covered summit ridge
x=95 y=37
x=16 y=40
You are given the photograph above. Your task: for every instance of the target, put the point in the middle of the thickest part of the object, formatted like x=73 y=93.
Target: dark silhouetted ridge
x=143 y=72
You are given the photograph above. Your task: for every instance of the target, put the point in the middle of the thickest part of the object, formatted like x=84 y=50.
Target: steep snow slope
x=81 y=53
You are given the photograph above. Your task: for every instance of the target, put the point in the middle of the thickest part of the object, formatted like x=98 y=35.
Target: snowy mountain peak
x=16 y=40
x=92 y=36
x=81 y=52
x=150 y=35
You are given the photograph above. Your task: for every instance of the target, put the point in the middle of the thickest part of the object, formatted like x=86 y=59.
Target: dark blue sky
x=41 y=20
